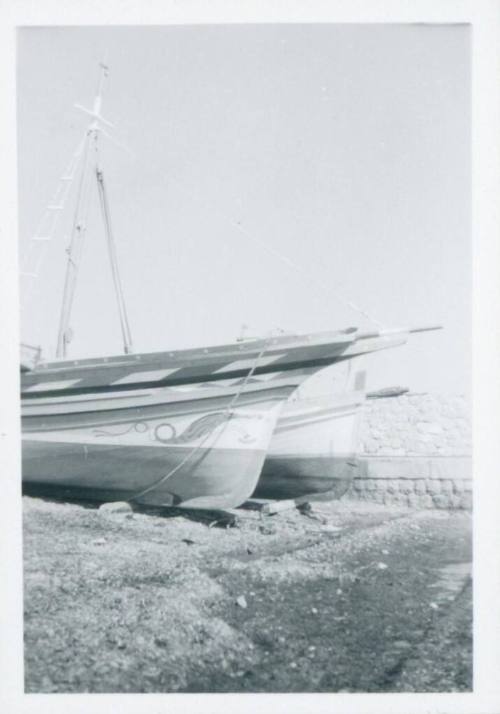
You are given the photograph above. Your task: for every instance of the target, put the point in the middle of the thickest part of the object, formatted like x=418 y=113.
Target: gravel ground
x=364 y=599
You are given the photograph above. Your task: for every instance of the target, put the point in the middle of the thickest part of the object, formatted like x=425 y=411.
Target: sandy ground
x=366 y=599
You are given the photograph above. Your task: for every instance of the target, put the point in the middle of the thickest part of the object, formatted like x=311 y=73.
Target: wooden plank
x=279 y=506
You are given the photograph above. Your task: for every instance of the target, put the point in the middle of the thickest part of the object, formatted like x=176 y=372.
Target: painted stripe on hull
x=63 y=420
x=188 y=366
x=188 y=379
x=164 y=396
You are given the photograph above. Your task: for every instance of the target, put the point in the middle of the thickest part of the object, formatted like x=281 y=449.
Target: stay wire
x=306 y=276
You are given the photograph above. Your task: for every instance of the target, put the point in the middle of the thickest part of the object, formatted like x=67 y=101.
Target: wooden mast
x=80 y=226
x=127 y=337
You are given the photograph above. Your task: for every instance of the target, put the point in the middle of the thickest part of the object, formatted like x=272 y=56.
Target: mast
x=74 y=252
x=127 y=337
x=80 y=226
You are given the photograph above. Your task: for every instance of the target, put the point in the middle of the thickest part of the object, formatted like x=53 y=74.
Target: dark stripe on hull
x=324 y=477
x=197 y=376
x=212 y=478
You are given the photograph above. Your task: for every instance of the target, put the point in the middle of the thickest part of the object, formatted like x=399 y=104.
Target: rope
x=34 y=254
x=226 y=413
x=312 y=280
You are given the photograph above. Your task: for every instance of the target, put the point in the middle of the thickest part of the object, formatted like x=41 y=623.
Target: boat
x=313 y=451
x=187 y=428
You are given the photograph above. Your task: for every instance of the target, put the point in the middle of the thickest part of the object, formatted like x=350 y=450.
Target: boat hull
x=194 y=455
x=189 y=428
x=313 y=450
x=215 y=478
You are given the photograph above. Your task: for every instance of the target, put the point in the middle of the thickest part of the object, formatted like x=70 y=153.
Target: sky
x=343 y=148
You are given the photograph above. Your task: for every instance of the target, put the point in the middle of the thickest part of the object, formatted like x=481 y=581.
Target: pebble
x=267 y=530
x=116 y=507
x=401 y=644
x=99 y=541
x=241 y=601
x=381 y=566
x=314 y=610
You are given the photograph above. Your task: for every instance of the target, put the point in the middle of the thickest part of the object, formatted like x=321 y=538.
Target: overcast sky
x=346 y=148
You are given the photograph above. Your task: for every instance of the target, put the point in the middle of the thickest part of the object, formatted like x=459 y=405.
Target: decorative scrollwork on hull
x=140 y=427
x=167 y=434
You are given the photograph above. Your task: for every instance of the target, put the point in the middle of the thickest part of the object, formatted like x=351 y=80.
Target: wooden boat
x=189 y=428
x=313 y=451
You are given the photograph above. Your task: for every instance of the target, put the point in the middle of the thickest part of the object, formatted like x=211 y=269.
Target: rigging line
x=226 y=413
x=315 y=282
x=75 y=248
x=31 y=262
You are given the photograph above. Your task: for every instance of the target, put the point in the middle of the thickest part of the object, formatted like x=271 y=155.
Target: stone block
x=411 y=446
x=446 y=486
x=446 y=451
x=451 y=467
x=441 y=500
x=426 y=501
x=371 y=446
x=413 y=500
x=395 y=467
x=433 y=486
x=466 y=500
x=405 y=486
x=420 y=486
x=390 y=499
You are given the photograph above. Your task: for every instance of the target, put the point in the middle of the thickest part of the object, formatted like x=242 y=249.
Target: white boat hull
x=198 y=454
x=313 y=449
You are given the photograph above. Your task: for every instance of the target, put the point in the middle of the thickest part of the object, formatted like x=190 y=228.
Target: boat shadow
x=213 y=518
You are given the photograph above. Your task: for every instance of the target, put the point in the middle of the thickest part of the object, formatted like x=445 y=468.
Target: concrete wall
x=416 y=450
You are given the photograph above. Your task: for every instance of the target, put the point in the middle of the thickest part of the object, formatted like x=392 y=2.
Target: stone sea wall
x=415 y=450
